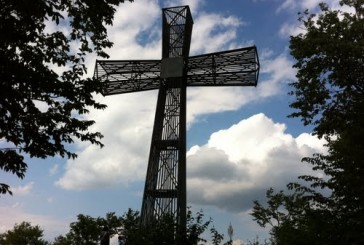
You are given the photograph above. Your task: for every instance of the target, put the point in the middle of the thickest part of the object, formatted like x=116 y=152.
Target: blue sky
x=239 y=140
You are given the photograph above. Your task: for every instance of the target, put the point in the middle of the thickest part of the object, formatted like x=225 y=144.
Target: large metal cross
x=165 y=184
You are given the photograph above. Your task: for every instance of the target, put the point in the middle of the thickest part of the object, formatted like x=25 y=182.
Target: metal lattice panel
x=238 y=67
x=177 y=28
x=162 y=185
x=128 y=76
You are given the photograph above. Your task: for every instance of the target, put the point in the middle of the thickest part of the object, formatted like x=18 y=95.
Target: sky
x=240 y=141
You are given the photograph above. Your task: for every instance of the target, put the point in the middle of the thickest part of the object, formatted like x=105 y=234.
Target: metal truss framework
x=239 y=67
x=165 y=185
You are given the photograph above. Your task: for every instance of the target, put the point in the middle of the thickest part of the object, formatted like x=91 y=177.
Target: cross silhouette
x=165 y=184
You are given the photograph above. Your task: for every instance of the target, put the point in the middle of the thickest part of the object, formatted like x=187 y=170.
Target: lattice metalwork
x=165 y=185
x=177 y=29
x=239 y=67
x=128 y=76
x=162 y=183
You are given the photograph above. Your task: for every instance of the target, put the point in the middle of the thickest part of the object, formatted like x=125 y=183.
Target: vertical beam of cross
x=165 y=186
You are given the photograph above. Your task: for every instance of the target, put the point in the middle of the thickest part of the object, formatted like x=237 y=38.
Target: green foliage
x=329 y=87
x=23 y=233
x=217 y=237
x=196 y=225
x=163 y=231
x=39 y=108
x=329 y=94
x=88 y=230
x=130 y=226
x=257 y=242
x=294 y=217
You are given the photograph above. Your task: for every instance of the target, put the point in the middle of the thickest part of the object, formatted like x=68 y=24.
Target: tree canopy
x=88 y=230
x=23 y=233
x=43 y=88
x=329 y=89
x=328 y=94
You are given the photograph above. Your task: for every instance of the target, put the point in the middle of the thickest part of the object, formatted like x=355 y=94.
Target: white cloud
x=218 y=31
x=130 y=22
x=239 y=163
x=201 y=101
x=52 y=226
x=23 y=190
x=279 y=71
x=276 y=72
x=127 y=125
x=306 y=140
x=262 y=133
x=287 y=30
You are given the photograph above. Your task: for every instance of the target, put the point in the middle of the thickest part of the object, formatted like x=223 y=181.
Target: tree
x=196 y=225
x=88 y=230
x=256 y=241
x=329 y=87
x=130 y=227
x=39 y=108
x=23 y=233
x=217 y=237
x=163 y=230
x=295 y=219
x=329 y=94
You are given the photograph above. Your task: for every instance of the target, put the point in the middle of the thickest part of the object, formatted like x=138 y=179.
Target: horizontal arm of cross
x=239 y=67
x=126 y=76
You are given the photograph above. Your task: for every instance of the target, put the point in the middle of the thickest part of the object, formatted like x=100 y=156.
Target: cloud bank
x=239 y=163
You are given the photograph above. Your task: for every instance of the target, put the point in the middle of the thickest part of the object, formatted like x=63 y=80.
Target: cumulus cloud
x=239 y=163
x=136 y=31
x=127 y=125
x=23 y=190
x=277 y=72
x=216 y=30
